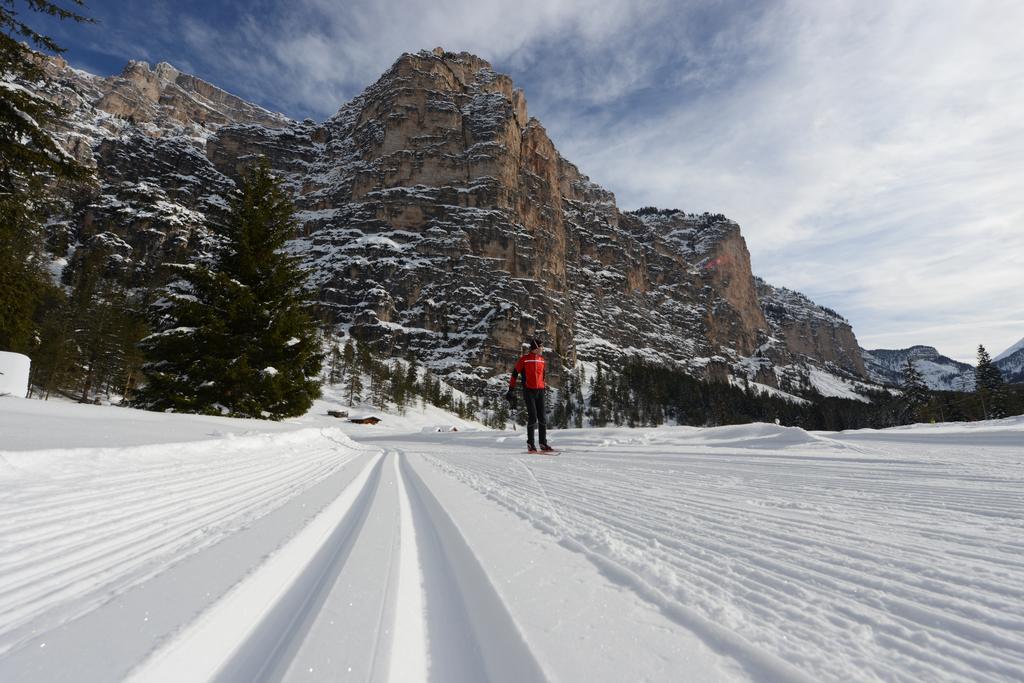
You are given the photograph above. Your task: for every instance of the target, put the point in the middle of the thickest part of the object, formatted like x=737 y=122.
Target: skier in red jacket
x=531 y=367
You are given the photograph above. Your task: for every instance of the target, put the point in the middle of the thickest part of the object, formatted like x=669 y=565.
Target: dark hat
x=535 y=344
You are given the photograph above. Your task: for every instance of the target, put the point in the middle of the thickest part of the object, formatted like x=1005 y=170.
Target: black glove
x=510 y=396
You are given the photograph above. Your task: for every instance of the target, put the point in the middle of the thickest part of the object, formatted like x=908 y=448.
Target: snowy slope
x=1010 y=351
x=320 y=550
x=827 y=384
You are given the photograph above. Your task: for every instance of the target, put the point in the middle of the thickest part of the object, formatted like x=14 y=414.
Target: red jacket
x=532 y=367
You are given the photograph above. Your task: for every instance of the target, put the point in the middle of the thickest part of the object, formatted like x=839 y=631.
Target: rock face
x=810 y=330
x=438 y=218
x=939 y=372
x=155 y=97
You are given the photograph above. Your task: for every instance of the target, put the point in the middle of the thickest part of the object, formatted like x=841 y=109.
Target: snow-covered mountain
x=1010 y=351
x=885 y=366
x=939 y=372
x=1011 y=363
x=438 y=217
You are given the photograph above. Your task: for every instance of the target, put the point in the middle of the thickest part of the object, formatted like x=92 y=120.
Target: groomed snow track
x=335 y=615
x=734 y=554
x=337 y=563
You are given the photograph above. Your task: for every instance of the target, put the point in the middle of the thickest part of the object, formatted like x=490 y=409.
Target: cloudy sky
x=872 y=151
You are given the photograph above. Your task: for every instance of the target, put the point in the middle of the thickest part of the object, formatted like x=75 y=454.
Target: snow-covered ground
x=172 y=548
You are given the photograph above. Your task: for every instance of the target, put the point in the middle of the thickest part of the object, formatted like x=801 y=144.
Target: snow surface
x=14 y=372
x=827 y=384
x=170 y=547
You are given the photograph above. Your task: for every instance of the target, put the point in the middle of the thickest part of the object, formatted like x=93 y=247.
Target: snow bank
x=14 y=369
x=41 y=425
x=58 y=461
x=761 y=435
x=753 y=436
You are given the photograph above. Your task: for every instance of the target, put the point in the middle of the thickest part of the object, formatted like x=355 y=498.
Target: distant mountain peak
x=166 y=96
x=939 y=372
x=163 y=70
x=1010 y=351
x=1011 y=363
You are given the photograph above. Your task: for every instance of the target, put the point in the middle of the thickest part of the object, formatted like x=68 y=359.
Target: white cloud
x=311 y=55
x=872 y=158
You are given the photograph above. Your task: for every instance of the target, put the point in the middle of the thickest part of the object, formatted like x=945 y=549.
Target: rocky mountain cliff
x=438 y=218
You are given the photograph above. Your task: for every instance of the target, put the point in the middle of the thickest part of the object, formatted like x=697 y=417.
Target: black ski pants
x=535 y=415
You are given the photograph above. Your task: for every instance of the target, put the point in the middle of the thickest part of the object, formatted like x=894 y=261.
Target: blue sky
x=871 y=151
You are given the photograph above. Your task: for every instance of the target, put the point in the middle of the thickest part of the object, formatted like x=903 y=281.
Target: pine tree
x=988 y=386
x=88 y=338
x=577 y=414
x=30 y=161
x=427 y=390
x=412 y=375
x=399 y=387
x=382 y=383
x=915 y=392
x=238 y=339
x=53 y=359
x=558 y=418
x=348 y=358
x=25 y=146
x=376 y=371
x=335 y=369
x=501 y=415
x=599 y=414
x=354 y=390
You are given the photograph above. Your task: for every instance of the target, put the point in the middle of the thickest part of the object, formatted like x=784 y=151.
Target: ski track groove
x=790 y=566
x=49 y=582
x=140 y=530
x=208 y=474
x=268 y=651
x=468 y=633
x=111 y=552
x=225 y=485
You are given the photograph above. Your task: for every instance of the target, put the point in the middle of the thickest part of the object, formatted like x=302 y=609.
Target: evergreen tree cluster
x=236 y=337
x=81 y=337
x=649 y=394
x=31 y=164
x=88 y=344
x=654 y=211
x=992 y=394
x=916 y=394
x=991 y=398
x=642 y=394
x=568 y=406
x=363 y=376
x=27 y=149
